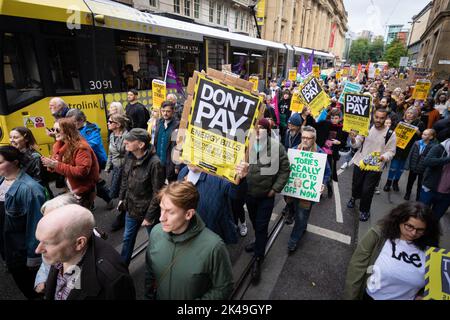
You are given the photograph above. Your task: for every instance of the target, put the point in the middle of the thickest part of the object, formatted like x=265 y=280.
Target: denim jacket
x=23 y=203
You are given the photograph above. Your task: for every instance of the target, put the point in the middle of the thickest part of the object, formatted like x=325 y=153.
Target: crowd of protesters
x=53 y=250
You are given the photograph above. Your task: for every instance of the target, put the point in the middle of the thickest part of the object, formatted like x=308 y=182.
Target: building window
x=176 y=6
x=242 y=21
x=152 y=3
x=219 y=12
x=187 y=8
x=211 y=11
x=236 y=20
x=196 y=9
x=246 y=24
x=225 y=16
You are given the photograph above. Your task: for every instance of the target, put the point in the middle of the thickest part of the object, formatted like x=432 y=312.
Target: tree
x=394 y=51
x=359 y=51
x=376 y=49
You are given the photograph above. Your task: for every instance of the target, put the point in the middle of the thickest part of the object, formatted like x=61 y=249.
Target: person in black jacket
x=415 y=160
x=135 y=111
x=84 y=267
x=285 y=112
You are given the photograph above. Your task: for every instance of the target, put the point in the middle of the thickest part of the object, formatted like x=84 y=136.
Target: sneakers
x=256 y=270
x=377 y=190
x=110 y=205
x=351 y=203
x=344 y=165
x=291 y=250
x=364 y=216
x=395 y=186
x=243 y=229
x=387 y=186
x=289 y=219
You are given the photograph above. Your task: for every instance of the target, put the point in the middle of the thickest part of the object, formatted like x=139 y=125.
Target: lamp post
x=303 y=24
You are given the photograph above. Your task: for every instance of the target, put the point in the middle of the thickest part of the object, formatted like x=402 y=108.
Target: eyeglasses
x=110 y=121
x=307 y=138
x=411 y=228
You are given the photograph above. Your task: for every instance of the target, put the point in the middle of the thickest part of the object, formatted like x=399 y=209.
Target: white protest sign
x=403 y=61
x=306 y=177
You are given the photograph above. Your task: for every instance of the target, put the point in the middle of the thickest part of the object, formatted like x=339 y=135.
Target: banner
x=158 y=93
x=218 y=126
x=437 y=274
x=419 y=73
x=172 y=80
x=292 y=74
x=316 y=71
x=332 y=35
x=314 y=96
x=349 y=87
x=357 y=113
x=404 y=133
x=255 y=81
x=260 y=12
x=398 y=83
x=403 y=62
x=307 y=171
x=371 y=72
x=297 y=104
x=421 y=89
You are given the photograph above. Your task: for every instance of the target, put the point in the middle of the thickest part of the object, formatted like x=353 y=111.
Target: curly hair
x=390 y=224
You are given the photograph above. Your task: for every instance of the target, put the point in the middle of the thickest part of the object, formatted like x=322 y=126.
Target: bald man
x=83 y=266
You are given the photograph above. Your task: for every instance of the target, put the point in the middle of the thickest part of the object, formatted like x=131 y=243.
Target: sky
x=374 y=15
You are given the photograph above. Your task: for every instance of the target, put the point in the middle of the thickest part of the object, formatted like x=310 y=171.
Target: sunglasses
x=110 y=121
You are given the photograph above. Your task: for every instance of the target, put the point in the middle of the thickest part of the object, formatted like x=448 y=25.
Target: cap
x=295 y=120
x=137 y=134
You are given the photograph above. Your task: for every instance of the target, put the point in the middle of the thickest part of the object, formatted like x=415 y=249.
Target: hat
x=137 y=134
x=264 y=123
x=295 y=120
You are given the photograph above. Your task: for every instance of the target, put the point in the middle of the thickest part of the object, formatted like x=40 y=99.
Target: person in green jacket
x=185 y=260
x=389 y=262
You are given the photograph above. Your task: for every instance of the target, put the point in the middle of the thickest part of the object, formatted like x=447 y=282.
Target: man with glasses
x=303 y=207
x=163 y=139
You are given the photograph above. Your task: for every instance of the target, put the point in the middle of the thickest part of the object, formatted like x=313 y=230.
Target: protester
x=396 y=168
x=115 y=107
x=265 y=179
x=142 y=178
x=213 y=206
x=152 y=123
x=185 y=260
x=58 y=107
x=389 y=262
x=21 y=198
x=436 y=178
x=91 y=133
x=117 y=124
x=284 y=106
x=441 y=104
x=164 y=143
x=429 y=114
x=374 y=151
x=415 y=161
x=303 y=207
x=178 y=108
x=135 y=111
x=74 y=159
x=84 y=267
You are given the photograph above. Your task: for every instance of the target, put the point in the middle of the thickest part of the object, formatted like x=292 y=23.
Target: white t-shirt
x=193 y=177
x=398 y=273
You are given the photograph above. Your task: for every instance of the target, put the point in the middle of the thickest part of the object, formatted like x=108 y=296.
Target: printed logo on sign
x=223 y=109
x=39 y=122
x=311 y=90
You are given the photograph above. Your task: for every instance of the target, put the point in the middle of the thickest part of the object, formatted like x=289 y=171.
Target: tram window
x=20 y=71
x=63 y=61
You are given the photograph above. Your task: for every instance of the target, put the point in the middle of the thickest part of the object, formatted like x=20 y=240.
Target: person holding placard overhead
x=374 y=152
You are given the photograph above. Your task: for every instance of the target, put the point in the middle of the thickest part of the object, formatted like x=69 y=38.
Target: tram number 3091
x=98 y=85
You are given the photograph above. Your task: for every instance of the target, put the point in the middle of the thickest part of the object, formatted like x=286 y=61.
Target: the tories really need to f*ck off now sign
x=219 y=125
x=307 y=171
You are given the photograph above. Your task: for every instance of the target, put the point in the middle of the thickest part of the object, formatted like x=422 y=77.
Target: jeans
x=301 y=222
x=396 y=169
x=260 y=211
x=411 y=179
x=103 y=191
x=132 y=226
x=438 y=202
x=363 y=187
x=116 y=178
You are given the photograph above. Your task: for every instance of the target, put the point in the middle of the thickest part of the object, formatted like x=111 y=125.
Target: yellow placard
x=401 y=76
x=338 y=75
x=377 y=72
x=255 y=81
x=297 y=104
x=437 y=274
x=345 y=72
x=316 y=71
x=404 y=133
x=357 y=111
x=314 y=96
x=421 y=89
x=218 y=127
x=158 y=93
x=292 y=74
